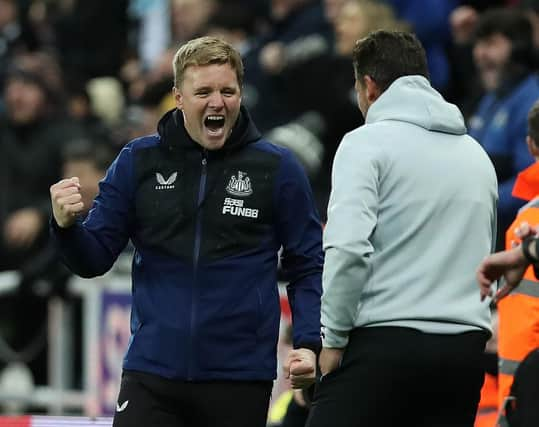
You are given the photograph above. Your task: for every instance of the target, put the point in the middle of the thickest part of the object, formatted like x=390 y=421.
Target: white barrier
x=106 y=304
x=42 y=421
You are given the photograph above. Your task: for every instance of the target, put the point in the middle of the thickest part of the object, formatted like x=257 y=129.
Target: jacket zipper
x=196 y=254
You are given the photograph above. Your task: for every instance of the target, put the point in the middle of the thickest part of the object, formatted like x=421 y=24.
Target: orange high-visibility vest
x=487 y=411
x=519 y=311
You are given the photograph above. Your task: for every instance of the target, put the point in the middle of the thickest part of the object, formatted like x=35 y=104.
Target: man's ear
x=533 y=147
x=178 y=98
x=372 y=91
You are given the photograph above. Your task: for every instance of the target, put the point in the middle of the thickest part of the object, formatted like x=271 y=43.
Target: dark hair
x=233 y=15
x=533 y=122
x=513 y=24
x=99 y=154
x=529 y=5
x=387 y=55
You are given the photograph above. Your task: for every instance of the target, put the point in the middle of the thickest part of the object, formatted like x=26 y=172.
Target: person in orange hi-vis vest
x=487 y=411
x=519 y=311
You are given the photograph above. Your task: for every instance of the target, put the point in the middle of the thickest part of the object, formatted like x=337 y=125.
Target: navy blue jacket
x=207 y=227
x=500 y=124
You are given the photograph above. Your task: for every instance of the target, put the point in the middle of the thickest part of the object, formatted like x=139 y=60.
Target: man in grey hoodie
x=411 y=214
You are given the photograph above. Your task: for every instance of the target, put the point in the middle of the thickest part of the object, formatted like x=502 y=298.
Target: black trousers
x=392 y=376
x=152 y=401
x=524 y=412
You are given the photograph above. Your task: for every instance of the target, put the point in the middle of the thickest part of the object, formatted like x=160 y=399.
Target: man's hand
x=330 y=359
x=525 y=230
x=273 y=57
x=300 y=367
x=22 y=227
x=66 y=201
x=510 y=264
x=299 y=398
x=463 y=21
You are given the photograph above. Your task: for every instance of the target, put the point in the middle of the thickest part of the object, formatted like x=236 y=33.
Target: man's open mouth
x=215 y=123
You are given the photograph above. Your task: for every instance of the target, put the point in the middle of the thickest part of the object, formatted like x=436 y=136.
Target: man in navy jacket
x=208 y=205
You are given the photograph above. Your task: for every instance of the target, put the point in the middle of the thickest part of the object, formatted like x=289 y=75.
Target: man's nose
x=216 y=100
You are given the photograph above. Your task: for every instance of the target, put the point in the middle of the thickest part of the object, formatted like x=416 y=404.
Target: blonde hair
x=380 y=16
x=206 y=51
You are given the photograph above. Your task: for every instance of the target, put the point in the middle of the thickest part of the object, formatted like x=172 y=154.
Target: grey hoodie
x=412 y=213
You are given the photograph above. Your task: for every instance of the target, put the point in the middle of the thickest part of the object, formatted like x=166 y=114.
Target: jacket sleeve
x=90 y=247
x=352 y=217
x=300 y=234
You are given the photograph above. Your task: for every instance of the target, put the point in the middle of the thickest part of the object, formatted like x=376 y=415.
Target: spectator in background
x=429 y=21
x=148 y=95
x=298 y=33
x=137 y=80
x=324 y=115
x=79 y=109
x=332 y=8
x=503 y=53
x=31 y=139
x=466 y=88
x=235 y=23
x=12 y=38
x=32 y=136
x=403 y=330
x=153 y=29
x=531 y=7
x=140 y=118
x=356 y=19
x=91 y=36
x=88 y=160
x=107 y=99
x=189 y=18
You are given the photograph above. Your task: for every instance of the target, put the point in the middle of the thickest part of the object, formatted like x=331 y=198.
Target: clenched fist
x=300 y=367
x=66 y=201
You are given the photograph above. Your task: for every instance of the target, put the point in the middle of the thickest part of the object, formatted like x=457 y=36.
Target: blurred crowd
x=81 y=78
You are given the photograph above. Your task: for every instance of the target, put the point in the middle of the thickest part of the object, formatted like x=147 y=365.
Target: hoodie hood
x=174 y=136
x=412 y=99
